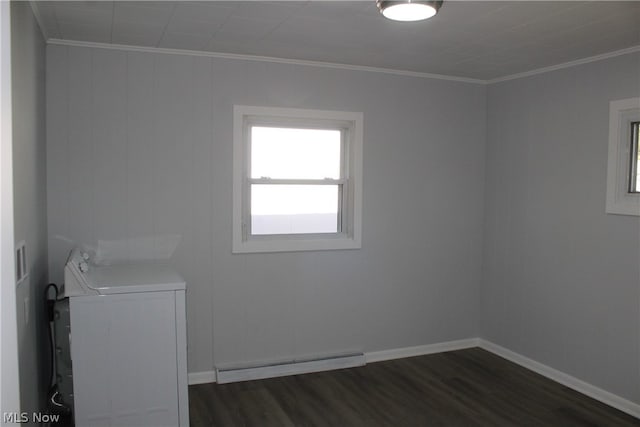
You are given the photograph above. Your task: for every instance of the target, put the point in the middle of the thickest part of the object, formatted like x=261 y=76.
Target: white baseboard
x=420 y=350
x=592 y=391
x=585 y=388
x=202 y=377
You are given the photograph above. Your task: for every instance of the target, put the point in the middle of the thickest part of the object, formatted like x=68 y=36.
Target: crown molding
x=257 y=58
x=332 y=65
x=563 y=65
x=36 y=13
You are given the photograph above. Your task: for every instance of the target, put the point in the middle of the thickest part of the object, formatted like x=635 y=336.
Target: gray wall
x=561 y=278
x=140 y=144
x=30 y=200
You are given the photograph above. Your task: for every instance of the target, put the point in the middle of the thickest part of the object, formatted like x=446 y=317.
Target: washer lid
x=124 y=279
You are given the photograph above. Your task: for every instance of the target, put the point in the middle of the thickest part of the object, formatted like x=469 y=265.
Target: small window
x=623 y=170
x=297 y=179
x=634 y=175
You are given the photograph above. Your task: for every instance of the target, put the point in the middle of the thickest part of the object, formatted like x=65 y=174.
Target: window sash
x=340 y=215
x=294 y=123
x=342 y=183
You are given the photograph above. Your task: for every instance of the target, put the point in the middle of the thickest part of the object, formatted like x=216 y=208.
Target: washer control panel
x=75 y=271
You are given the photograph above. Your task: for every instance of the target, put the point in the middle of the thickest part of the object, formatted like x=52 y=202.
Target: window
x=297 y=179
x=623 y=171
x=634 y=177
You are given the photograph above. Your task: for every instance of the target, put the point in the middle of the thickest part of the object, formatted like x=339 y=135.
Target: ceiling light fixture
x=408 y=10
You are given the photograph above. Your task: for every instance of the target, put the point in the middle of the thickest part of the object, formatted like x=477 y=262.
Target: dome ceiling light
x=408 y=10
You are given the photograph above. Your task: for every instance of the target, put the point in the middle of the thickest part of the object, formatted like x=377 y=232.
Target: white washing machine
x=128 y=344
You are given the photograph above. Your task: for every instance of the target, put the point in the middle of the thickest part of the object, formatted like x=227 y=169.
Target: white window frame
x=350 y=216
x=620 y=201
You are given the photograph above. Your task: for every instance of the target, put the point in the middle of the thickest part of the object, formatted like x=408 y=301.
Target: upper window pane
x=290 y=153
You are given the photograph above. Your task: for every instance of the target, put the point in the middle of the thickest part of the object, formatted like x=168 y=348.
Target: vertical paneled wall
x=561 y=277
x=130 y=157
x=140 y=145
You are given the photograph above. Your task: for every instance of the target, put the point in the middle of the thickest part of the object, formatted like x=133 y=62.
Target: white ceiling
x=477 y=39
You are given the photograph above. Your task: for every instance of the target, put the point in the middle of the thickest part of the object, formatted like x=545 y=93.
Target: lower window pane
x=294 y=209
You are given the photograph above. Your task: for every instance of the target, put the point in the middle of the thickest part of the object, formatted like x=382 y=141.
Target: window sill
x=295 y=245
x=628 y=204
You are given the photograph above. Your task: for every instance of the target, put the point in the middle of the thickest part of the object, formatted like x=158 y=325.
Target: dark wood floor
x=460 y=388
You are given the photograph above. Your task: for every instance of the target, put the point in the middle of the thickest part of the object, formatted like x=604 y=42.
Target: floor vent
x=230 y=374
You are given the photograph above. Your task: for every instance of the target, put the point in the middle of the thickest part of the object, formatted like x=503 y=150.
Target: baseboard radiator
x=228 y=374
